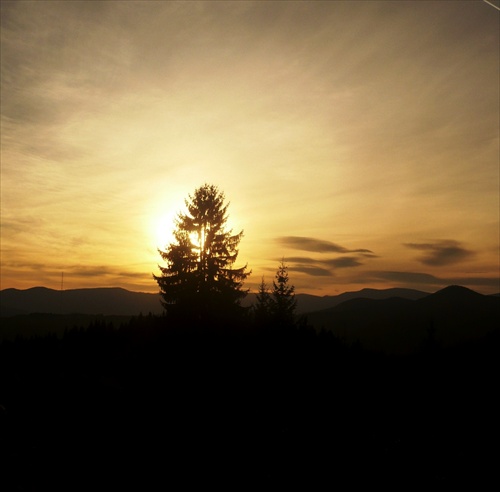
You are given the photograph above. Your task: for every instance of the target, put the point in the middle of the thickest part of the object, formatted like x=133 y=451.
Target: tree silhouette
x=198 y=280
x=262 y=306
x=283 y=302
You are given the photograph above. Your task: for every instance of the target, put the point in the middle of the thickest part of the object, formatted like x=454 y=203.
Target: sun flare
x=162 y=230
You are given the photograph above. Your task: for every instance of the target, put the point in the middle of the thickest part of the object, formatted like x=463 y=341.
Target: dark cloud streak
x=313 y=271
x=321 y=267
x=74 y=271
x=421 y=279
x=345 y=262
x=441 y=253
x=317 y=245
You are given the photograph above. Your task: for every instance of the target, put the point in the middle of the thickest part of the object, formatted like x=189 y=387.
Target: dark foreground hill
x=451 y=316
x=154 y=403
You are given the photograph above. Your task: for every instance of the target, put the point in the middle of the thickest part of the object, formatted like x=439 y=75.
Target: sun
x=161 y=230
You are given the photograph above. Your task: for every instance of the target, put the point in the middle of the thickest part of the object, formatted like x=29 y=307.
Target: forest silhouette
x=237 y=395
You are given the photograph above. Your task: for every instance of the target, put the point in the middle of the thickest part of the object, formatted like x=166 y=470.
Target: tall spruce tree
x=199 y=280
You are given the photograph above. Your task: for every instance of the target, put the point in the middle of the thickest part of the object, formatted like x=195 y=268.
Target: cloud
x=300 y=259
x=317 y=245
x=99 y=271
x=21 y=225
x=90 y=271
x=408 y=277
x=314 y=271
x=309 y=266
x=493 y=283
x=422 y=279
x=345 y=262
x=74 y=271
x=441 y=253
x=321 y=267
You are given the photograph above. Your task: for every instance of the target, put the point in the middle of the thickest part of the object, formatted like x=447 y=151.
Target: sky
x=356 y=140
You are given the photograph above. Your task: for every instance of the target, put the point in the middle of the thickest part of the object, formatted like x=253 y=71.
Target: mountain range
x=121 y=302
x=390 y=320
x=451 y=316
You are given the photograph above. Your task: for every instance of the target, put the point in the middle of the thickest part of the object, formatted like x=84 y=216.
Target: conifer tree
x=283 y=302
x=199 y=279
x=262 y=307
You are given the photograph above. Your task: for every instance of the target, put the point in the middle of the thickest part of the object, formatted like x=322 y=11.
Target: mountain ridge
x=450 y=316
x=120 y=301
x=94 y=301
x=389 y=320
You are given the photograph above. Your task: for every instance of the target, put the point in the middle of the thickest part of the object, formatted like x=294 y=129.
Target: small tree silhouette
x=283 y=302
x=262 y=308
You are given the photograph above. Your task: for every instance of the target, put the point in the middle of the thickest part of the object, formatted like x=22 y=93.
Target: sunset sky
x=358 y=140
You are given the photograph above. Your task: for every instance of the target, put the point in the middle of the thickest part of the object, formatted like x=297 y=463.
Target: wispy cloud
x=322 y=267
x=344 y=262
x=407 y=277
x=79 y=271
x=441 y=253
x=314 y=271
x=317 y=245
x=425 y=279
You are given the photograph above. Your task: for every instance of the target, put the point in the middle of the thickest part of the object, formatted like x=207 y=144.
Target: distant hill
x=105 y=301
x=451 y=316
x=307 y=303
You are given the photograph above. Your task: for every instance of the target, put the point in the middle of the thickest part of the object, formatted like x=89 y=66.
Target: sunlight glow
x=162 y=230
x=193 y=237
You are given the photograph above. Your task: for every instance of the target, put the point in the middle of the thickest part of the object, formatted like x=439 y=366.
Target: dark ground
x=148 y=404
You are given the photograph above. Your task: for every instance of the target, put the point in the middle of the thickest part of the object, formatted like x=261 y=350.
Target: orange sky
x=358 y=140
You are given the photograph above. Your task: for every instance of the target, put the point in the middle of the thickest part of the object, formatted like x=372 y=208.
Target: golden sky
x=357 y=140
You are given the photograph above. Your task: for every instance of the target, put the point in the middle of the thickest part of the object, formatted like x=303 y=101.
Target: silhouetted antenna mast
x=61 y=300
x=492 y=4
